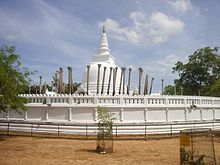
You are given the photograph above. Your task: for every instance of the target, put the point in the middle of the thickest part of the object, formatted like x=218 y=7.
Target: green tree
x=169 y=90
x=14 y=79
x=200 y=72
x=105 y=119
x=105 y=132
x=214 y=89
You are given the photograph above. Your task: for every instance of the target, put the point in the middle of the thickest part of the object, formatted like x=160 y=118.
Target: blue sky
x=152 y=34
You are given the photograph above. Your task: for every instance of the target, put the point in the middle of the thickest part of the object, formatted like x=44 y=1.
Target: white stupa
x=105 y=58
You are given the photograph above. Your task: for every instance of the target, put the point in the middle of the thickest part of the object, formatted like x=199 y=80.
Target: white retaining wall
x=127 y=109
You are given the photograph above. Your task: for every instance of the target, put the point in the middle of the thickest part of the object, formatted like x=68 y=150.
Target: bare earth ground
x=34 y=150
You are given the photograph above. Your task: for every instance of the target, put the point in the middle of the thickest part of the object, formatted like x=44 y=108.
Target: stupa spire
x=103 y=48
x=103 y=54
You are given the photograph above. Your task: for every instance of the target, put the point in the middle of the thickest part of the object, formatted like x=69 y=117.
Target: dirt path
x=33 y=150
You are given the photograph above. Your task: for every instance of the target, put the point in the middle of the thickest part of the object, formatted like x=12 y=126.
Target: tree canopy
x=200 y=75
x=14 y=79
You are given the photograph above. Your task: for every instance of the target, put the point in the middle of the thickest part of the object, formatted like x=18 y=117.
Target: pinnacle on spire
x=103 y=29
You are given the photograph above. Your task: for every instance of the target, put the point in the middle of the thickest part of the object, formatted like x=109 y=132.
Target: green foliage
x=200 y=74
x=214 y=89
x=14 y=79
x=105 y=123
x=191 y=158
x=169 y=90
x=75 y=86
x=105 y=132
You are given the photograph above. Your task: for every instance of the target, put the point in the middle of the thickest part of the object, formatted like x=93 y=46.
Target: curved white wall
x=127 y=109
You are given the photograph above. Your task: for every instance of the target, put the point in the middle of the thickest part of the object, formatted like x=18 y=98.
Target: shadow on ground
x=88 y=150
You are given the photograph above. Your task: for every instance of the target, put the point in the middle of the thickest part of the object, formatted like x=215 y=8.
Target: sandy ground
x=34 y=150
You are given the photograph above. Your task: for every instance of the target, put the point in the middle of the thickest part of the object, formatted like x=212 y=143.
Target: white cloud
x=156 y=29
x=181 y=6
x=14 y=36
x=139 y=19
x=12 y=28
x=50 y=36
x=161 y=65
x=161 y=68
x=52 y=27
x=120 y=33
x=162 y=27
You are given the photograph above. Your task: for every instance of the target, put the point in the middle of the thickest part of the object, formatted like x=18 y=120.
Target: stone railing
x=124 y=100
x=126 y=108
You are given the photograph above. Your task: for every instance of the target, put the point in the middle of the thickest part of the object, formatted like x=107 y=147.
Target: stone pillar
x=95 y=114
x=87 y=79
x=129 y=80
x=99 y=66
x=162 y=86
x=109 y=81
x=45 y=87
x=52 y=86
x=7 y=114
x=70 y=114
x=123 y=86
x=151 y=85
x=145 y=114
x=40 y=85
x=56 y=81
x=70 y=100
x=103 y=80
x=25 y=115
x=185 y=114
x=140 y=76
x=35 y=87
x=201 y=114
x=70 y=80
x=46 y=114
x=119 y=92
x=61 y=81
x=114 y=79
x=213 y=113
x=121 y=115
x=167 y=111
x=146 y=85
